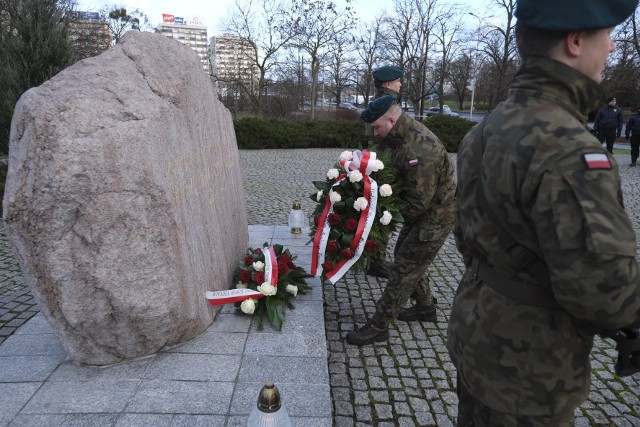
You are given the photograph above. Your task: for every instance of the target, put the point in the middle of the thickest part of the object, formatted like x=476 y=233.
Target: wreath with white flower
x=265 y=281
x=357 y=210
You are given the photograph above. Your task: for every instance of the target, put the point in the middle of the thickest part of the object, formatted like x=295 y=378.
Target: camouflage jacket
x=424 y=168
x=546 y=192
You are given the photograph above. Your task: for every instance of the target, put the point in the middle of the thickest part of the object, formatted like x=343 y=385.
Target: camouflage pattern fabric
x=517 y=358
x=424 y=168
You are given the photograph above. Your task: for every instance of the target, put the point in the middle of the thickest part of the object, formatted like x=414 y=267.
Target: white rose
x=334 y=197
x=333 y=173
x=346 y=156
x=292 y=289
x=355 y=176
x=241 y=285
x=268 y=289
x=258 y=265
x=360 y=204
x=386 y=218
x=319 y=195
x=248 y=306
x=385 y=190
x=378 y=166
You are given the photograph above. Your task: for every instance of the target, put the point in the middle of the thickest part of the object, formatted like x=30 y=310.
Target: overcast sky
x=213 y=10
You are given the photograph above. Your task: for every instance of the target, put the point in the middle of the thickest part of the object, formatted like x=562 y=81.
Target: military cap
x=388 y=73
x=377 y=108
x=611 y=98
x=573 y=15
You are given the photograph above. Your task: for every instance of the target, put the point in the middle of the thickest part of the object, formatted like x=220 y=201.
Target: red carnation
x=291 y=265
x=351 y=225
x=283 y=268
x=260 y=277
x=334 y=219
x=333 y=246
x=285 y=257
x=259 y=251
x=327 y=266
x=370 y=245
x=346 y=253
x=316 y=220
x=245 y=276
x=248 y=260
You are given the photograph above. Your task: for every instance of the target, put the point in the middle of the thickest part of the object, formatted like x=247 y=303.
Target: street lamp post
x=472 y=87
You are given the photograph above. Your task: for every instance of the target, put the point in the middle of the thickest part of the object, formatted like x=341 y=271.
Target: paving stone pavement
x=408 y=381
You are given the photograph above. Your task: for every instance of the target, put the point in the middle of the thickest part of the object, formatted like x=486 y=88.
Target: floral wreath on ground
x=266 y=281
x=358 y=208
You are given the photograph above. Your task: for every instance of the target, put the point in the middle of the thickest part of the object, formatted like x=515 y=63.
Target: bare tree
x=461 y=76
x=318 y=24
x=367 y=47
x=446 y=30
x=267 y=27
x=497 y=43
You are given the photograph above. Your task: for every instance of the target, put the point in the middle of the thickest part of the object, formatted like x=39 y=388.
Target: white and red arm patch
x=594 y=161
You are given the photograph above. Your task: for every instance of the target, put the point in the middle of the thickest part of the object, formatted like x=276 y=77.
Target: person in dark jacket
x=633 y=130
x=608 y=123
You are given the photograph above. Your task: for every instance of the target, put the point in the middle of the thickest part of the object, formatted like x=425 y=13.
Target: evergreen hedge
x=254 y=133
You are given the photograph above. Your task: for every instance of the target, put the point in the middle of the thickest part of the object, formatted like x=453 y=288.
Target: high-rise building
x=190 y=31
x=89 y=34
x=233 y=63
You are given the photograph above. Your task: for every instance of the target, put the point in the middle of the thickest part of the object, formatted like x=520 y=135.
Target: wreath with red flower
x=346 y=232
x=265 y=282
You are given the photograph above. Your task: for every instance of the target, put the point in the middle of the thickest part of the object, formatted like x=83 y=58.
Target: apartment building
x=232 y=64
x=190 y=31
x=89 y=34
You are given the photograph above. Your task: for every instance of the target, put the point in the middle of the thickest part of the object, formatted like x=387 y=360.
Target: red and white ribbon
x=364 y=161
x=270 y=266
x=232 y=295
x=237 y=295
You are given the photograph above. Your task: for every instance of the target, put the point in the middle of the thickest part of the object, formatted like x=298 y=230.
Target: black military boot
x=633 y=163
x=368 y=334
x=417 y=312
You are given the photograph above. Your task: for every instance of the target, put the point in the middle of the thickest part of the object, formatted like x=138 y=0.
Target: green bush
x=255 y=133
x=449 y=129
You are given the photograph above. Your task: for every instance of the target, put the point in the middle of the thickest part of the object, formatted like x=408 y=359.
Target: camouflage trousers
x=472 y=413
x=416 y=248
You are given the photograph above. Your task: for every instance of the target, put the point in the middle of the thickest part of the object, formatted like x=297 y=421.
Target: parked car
x=347 y=106
x=434 y=111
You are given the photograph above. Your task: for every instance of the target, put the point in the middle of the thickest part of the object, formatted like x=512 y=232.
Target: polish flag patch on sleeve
x=595 y=161
x=413 y=162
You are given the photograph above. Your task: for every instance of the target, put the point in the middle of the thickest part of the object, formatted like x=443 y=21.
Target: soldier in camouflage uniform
x=422 y=164
x=387 y=80
x=548 y=247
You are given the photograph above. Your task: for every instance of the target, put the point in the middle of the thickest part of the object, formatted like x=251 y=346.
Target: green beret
x=377 y=108
x=573 y=15
x=388 y=73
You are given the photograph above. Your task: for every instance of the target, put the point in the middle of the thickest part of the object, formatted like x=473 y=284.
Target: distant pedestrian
x=608 y=123
x=633 y=129
x=424 y=168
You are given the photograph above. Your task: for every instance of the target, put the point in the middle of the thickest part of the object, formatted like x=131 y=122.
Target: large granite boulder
x=124 y=200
